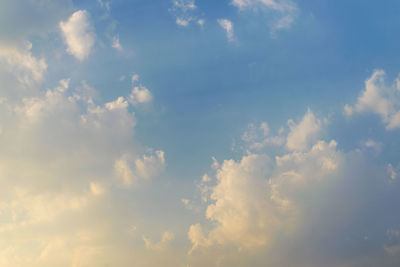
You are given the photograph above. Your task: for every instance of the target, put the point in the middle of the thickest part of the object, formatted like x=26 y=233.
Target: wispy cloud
x=227 y=25
x=185 y=12
x=286 y=11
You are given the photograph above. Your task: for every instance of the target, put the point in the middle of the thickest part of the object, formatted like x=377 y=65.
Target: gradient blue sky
x=303 y=96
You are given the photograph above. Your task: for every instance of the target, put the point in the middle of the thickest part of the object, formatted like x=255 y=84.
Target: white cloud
x=303 y=134
x=182 y=22
x=19 y=61
x=259 y=137
x=57 y=173
x=184 y=4
x=248 y=210
x=285 y=9
x=139 y=93
x=150 y=165
x=196 y=236
x=104 y=4
x=391 y=171
x=201 y=22
x=379 y=99
x=279 y=209
x=162 y=244
x=135 y=77
x=78 y=34
x=123 y=171
x=237 y=209
x=185 y=12
x=116 y=44
x=119 y=103
x=128 y=169
x=227 y=25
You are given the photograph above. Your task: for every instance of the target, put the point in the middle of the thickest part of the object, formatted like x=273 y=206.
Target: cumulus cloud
x=260 y=137
x=304 y=133
x=57 y=170
x=282 y=208
x=78 y=34
x=20 y=62
x=249 y=209
x=227 y=25
x=88 y=131
x=380 y=99
x=139 y=94
x=237 y=208
x=285 y=10
x=129 y=170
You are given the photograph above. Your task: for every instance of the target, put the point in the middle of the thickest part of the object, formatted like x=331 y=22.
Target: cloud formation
x=78 y=34
x=79 y=187
x=292 y=200
x=260 y=137
x=286 y=11
x=20 y=62
x=380 y=99
x=185 y=12
x=303 y=134
x=139 y=94
x=116 y=44
x=227 y=25
x=60 y=187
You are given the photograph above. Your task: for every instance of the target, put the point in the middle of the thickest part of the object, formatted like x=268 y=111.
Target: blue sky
x=199 y=133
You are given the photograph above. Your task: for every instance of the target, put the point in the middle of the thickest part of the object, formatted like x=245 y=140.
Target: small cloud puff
x=78 y=34
x=139 y=93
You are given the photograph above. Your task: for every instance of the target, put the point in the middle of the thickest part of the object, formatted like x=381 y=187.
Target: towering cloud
x=301 y=207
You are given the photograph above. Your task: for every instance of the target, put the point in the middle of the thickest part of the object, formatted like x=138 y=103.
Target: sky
x=192 y=133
